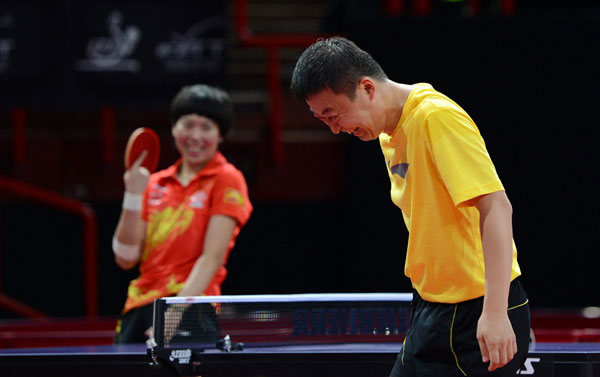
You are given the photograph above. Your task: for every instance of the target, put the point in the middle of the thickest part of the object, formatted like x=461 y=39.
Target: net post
x=158 y=321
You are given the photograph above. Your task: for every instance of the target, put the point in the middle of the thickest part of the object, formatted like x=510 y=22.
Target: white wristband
x=127 y=252
x=132 y=202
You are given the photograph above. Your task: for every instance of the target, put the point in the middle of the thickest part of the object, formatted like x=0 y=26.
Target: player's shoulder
x=439 y=108
x=435 y=101
x=228 y=172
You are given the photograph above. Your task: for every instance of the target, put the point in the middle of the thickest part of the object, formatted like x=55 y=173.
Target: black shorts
x=442 y=338
x=199 y=322
x=132 y=326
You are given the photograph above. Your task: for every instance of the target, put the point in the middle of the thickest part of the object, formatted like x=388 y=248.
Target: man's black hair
x=334 y=63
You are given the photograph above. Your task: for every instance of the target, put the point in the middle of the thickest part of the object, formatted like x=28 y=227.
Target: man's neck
x=396 y=96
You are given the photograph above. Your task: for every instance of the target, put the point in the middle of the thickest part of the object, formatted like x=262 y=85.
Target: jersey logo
x=233 y=196
x=198 y=199
x=399 y=169
x=156 y=194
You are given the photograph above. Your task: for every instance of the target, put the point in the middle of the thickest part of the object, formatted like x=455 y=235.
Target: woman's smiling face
x=197 y=139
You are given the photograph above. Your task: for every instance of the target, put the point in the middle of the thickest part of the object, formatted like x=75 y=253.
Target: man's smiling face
x=342 y=114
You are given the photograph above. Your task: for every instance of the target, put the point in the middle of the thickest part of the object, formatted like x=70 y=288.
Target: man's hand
x=495 y=334
x=496 y=338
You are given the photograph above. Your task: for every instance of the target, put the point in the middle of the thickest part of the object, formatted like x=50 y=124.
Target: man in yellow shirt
x=469 y=314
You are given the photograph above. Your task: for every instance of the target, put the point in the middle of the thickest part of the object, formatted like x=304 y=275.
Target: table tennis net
x=204 y=322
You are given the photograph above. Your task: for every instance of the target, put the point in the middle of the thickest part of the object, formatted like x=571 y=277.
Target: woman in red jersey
x=180 y=224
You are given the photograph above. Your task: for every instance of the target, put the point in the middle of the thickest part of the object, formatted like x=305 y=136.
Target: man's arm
x=494 y=330
x=218 y=235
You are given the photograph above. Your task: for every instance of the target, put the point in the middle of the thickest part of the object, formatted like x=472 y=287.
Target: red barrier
x=90 y=238
x=421 y=7
x=57 y=332
x=394 y=7
x=272 y=43
x=508 y=7
x=19 y=308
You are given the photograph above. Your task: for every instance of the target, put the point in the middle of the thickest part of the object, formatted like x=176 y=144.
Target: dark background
x=323 y=220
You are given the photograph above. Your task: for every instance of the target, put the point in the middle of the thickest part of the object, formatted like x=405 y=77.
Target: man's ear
x=367 y=85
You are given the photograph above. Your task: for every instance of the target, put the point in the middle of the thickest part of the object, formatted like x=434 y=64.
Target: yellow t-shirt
x=436 y=161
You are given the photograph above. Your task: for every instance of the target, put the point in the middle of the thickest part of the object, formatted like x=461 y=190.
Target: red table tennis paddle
x=143 y=139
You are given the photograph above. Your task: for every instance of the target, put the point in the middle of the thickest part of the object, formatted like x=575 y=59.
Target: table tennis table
x=272 y=336
x=361 y=359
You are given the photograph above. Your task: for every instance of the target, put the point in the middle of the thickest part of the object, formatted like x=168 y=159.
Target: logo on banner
x=528 y=366
x=190 y=52
x=112 y=53
x=182 y=356
x=7 y=45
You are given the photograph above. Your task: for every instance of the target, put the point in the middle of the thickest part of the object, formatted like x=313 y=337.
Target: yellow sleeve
x=460 y=156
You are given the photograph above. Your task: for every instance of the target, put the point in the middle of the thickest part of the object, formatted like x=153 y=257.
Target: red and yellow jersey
x=177 y=218
x=437 y=161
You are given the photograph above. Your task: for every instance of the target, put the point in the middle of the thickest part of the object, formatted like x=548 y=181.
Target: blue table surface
x=133 y=349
